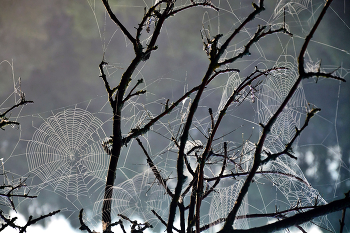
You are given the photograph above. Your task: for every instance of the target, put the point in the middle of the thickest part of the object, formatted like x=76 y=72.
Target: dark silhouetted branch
x=205 y=3
x=301 y=218
x=116 y=21
x=162 y=220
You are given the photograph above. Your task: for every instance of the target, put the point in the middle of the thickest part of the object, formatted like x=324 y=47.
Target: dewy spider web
x=65 y=155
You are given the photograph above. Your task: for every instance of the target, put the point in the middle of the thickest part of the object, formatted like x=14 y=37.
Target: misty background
x=55 y=47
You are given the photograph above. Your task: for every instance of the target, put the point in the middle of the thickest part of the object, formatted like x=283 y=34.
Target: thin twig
x=156 y=173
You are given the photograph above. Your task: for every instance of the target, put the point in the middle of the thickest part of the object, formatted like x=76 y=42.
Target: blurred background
x=51 y=51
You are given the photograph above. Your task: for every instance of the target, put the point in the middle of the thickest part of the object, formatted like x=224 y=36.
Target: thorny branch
x=10 y=189
x=31 y=221
x=4 y=120
x=136 y=227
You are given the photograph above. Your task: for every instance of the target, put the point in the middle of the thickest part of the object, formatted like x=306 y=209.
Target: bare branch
x=234 y=175
x=321 y=74
x=277 y=214
x=156 y=173
x=205 y=3
x=260 y=33
x=217 y=181
x=301 y=218
x=4 y=120
x=258 y=10
x=130 y=95
x=32 y=221
x=308 y=38
x=136 y=227
x=162 y=220
x=116 y=21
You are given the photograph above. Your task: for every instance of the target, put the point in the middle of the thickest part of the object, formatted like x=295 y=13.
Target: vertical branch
x=117 y=106
x=117 y=143
x=183 y=140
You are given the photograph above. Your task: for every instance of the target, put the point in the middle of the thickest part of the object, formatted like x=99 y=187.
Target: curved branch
x=209 y=4
x=116 y=21
x=83 y=226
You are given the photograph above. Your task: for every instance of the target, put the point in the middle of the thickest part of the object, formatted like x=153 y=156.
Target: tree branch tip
x=103 y=63
x=292 y=156
x=347 y=194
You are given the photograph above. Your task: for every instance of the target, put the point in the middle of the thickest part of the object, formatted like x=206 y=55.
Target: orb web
x=65 y=153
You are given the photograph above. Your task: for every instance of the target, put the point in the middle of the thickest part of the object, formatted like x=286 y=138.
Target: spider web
x=64 y=153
